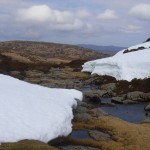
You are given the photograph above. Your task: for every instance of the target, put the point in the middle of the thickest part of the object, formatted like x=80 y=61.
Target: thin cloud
x=82 y=13
x=132 y=29
x=108 y=15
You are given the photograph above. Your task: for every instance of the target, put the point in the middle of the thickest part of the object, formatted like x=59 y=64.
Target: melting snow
x=29 y=111
x=123 y=66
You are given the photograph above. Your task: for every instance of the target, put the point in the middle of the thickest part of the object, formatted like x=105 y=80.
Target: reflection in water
x=80 y=134
x=133 y=113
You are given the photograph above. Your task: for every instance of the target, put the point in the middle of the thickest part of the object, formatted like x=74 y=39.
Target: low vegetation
x=26 y=145
x=125 y=136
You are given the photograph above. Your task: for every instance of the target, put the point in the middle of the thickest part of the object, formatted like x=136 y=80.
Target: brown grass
x=26 y=145
x=17 y=57
x=126 y=136
x=74 y=75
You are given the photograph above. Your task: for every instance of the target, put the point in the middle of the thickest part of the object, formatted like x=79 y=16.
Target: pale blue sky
x=99 y=22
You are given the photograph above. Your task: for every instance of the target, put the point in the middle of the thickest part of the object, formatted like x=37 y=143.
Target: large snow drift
x=30 y=111
x=123 y=66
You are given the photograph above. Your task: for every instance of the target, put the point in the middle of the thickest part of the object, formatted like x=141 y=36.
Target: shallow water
x=80 y=134
x=133 y=113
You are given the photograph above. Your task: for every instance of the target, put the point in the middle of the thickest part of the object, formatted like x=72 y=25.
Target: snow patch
x=123 y=66
x=29 y=111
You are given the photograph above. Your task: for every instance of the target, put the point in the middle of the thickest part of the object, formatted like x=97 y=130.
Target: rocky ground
x=99 y=130
x=93 y=129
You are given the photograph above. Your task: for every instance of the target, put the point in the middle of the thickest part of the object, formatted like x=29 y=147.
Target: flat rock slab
x=97 y=135
x=77 y=148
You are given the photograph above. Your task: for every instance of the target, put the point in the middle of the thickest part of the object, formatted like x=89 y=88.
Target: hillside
x=34 y=52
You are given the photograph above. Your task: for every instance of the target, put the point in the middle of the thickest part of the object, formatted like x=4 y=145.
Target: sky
x=99 y=22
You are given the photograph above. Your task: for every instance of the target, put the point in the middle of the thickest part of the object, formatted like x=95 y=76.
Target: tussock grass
x=125 y=136
x=26 y=145
x=74 y=75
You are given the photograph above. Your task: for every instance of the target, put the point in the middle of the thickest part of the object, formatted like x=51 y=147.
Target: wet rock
x=146 y=96
x=82 y=117
x=109 y=87
x=147 y=107
x=99 y=135
x=117 y=100
x=81 y=109
x=72 y=147
x=94 y=95
x=128 y=101
x=131 y=97
x=135 y=95
x=97 y=112
x=87 y=112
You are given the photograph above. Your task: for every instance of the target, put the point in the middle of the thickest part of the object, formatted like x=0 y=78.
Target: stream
x=133 y=113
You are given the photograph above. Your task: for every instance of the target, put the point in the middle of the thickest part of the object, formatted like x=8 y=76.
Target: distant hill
x=32 y=52
x=107 y=49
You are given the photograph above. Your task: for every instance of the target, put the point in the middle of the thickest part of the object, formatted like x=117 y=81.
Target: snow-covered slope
x=123 y=66
x=30 y=111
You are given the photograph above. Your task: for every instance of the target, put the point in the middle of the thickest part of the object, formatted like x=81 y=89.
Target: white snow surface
x=123 y=66
x=29 y=111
